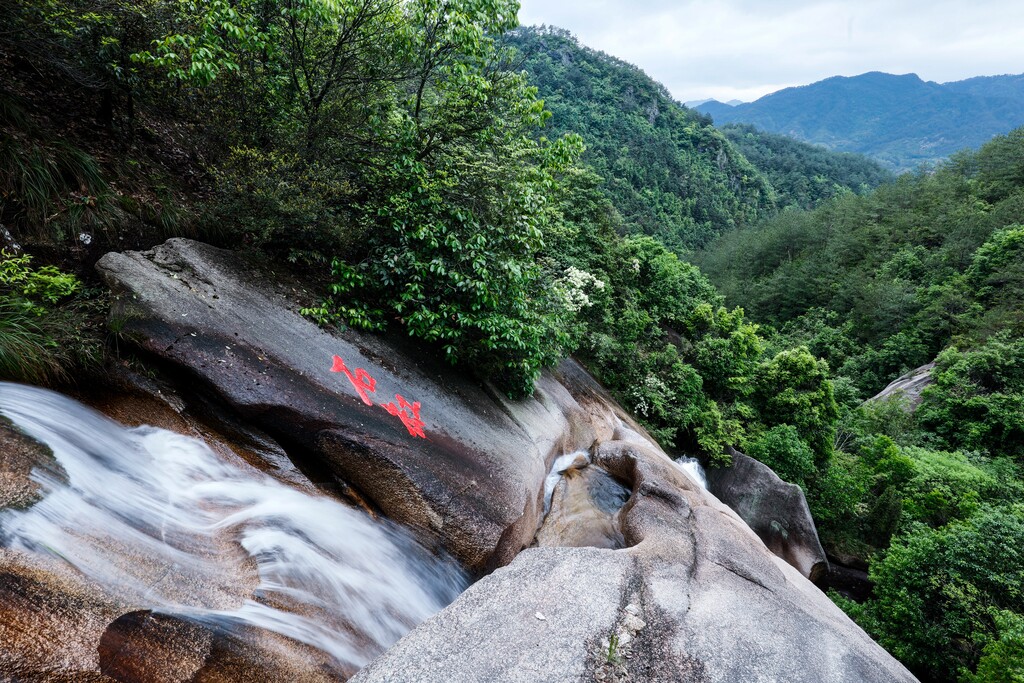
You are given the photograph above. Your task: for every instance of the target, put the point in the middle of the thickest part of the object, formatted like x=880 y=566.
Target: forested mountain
x=928 y=266
x=902 y=121
x=665 y=168
x=1010 y=87
x=891 y=269
x=802 y=174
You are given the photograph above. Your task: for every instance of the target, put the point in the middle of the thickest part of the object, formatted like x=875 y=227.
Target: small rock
x=633 y=609
x=540 y=616
x=634 y=623
x=580 y=461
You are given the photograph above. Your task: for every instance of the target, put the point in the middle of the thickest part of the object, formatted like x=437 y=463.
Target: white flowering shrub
x=574 y=286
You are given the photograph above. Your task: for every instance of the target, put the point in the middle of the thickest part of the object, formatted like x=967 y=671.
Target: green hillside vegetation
x=398 y=158
x=876 y=285
x=666 y=169
x=1007 y=86
x=899 y=120
x=801 y=174
x=654 y=331
x=879 y=284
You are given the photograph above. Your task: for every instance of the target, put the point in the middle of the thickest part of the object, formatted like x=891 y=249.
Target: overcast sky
x=742 y=49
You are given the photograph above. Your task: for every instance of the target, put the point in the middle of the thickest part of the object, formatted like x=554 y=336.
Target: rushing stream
x=693 y=469
x=161 y=521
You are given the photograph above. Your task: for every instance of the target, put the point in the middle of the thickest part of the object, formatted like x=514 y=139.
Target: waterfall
x=159 y=520
x=693 y=469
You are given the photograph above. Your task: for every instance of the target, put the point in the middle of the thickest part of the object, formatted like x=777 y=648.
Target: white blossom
x=574 y=285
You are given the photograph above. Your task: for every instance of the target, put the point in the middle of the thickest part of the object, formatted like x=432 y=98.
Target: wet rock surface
x=142 y=646
x=19 y=455
x=585 y=506
x=695 y=597
x=470 y=482
x=775 y=510
x=149 y=647
x=134 y=400
x=158 y=558
x=51 y=620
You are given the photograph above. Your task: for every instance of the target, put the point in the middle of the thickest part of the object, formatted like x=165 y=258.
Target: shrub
x=935 y=588
x=793 y=388
x=782 y=449
x=977 y=400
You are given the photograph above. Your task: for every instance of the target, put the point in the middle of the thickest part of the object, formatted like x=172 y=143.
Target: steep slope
x=665 y=168
x=901 y=120
x=803 y=174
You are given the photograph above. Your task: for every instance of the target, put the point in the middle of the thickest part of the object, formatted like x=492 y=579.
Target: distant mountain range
x=902 y=121
x=693 y=104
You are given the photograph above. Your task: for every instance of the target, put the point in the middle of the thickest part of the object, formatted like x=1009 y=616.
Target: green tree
x=793 y=388
x=934 y=588
x=977 y=400
x=459 y=198
x=1002 y=659
x=782 y=449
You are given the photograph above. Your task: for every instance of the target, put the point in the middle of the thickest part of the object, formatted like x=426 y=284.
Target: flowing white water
x=693 y=469
x=163 y=522
x=561 y=464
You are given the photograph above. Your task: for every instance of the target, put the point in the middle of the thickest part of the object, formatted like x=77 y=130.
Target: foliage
x=275 y=202
x=33 y=288
x=1002 y=659
x=793 y=388
x=954 y=523
x=25 y=350
x=935 y=587
x=782 y=449
x=996 y=276
x=658 y=337
x=801 y=174
x=977 y=400
x=42 y=326
x=667 y=171
x=208 y=47
x=85 y=163
x=879 y=284
x=636 y=345
x=460 y=207
x=876 y=285
x=49 y=188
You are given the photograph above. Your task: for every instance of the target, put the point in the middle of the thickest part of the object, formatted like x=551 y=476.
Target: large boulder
x=695 y=597
x=909 y=387
x=468 y=471
x=776 y=510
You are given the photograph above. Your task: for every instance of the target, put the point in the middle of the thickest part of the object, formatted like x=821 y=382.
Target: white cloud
x=747 y=48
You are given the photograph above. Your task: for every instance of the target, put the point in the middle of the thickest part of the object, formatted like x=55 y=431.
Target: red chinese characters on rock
x=361 y=380
x=408 y=413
